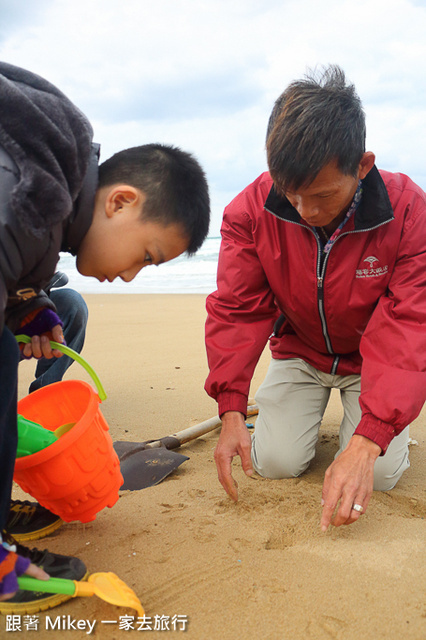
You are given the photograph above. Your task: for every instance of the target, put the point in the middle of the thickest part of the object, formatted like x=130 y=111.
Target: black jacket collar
x=374 y=209
x=78 y=224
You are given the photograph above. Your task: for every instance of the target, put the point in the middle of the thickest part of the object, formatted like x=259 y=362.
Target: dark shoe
x=30 y=521
x=57 y=566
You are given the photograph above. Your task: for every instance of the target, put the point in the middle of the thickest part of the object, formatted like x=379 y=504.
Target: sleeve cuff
x=374 y=429
x=232 y=401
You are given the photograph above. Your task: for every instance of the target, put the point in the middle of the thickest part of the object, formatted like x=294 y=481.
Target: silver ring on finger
x=358 y=507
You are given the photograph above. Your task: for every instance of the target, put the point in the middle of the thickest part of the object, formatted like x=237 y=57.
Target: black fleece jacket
x=48 y=181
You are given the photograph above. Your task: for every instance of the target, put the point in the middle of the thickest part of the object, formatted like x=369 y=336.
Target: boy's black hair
x=174 y=184
x=316 y=120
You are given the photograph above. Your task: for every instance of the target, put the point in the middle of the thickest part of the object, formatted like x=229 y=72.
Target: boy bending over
x=145 y=205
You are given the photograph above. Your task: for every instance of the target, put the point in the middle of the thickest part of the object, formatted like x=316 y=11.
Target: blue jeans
x=9 y=360
x=72 y=310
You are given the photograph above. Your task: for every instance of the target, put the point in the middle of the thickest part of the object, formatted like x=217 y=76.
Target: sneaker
x=57 y=566
x=30 y=521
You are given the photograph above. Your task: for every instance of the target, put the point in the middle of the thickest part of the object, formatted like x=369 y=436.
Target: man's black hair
x=174 y=184
x=316 y=120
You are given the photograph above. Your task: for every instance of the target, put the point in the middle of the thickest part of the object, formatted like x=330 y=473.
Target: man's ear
x=122 y=197
x=366 y=164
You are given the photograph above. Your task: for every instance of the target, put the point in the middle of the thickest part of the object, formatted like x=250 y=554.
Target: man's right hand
x=234 y=440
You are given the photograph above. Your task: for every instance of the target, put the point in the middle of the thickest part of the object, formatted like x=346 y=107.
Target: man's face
x=327 y=198
x=121 y=245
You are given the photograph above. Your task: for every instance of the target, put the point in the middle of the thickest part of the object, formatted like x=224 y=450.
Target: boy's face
x=119 y=243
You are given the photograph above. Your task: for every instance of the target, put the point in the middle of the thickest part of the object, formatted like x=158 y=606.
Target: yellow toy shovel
x=106 y=585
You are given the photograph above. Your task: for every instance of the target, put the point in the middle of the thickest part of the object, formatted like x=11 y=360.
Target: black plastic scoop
x=145 y=464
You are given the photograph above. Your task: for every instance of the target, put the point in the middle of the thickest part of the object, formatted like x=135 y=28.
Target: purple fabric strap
x=43 y=322
x=18 y=566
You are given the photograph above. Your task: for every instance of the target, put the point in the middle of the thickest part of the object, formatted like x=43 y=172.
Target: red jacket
x=362 y=312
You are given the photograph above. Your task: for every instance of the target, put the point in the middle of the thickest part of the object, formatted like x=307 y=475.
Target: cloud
x=221 y=93
x=204 y=75
x=19 y=13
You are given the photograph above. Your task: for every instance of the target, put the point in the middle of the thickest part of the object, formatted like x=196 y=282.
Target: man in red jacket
x=329 y=255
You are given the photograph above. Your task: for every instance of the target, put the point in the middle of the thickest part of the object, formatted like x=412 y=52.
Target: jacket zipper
x=320 y=294
x=320 y=280
x=320 y=289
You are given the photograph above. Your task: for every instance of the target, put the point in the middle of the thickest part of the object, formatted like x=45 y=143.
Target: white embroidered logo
x=371 y=272
x=371 y=260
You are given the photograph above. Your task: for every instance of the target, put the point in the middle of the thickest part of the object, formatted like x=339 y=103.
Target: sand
x=258 y=569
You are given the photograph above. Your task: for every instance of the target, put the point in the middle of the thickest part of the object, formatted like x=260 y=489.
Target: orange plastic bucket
x=79 y=474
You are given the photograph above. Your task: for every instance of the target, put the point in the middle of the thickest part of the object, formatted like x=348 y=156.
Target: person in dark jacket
x=333 y=253
x=145 y=205
x=27 y=519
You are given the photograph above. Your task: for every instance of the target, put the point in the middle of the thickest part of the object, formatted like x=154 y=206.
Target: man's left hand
x=349 y=479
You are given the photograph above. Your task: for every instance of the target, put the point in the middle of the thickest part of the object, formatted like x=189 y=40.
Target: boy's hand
x=12 y=566
x=34 y=571
x=42 y=326
x=39 y=347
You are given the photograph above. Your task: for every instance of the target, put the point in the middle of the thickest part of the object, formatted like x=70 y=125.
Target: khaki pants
x=292 y=400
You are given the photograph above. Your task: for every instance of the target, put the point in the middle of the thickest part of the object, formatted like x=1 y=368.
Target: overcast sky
x=204 y=74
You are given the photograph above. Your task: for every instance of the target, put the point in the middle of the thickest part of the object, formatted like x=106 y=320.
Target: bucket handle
x=75 y=356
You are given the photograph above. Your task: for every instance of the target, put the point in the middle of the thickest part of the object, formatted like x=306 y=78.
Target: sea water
x=195 y=274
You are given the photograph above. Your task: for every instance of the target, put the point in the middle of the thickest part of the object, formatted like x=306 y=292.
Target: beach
x=257 y=569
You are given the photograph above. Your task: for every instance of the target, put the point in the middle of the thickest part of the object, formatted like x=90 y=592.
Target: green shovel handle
x=53 y=585
x=75 y=356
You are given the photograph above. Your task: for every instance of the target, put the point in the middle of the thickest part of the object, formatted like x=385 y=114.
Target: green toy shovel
x=32 y=437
